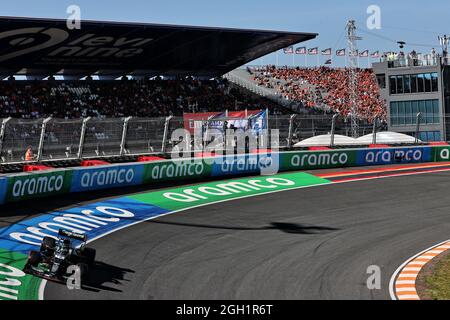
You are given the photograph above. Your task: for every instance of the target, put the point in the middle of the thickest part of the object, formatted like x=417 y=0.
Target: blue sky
x=413 y=21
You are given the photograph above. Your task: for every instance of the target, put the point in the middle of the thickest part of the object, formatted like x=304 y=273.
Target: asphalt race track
x=313 y=243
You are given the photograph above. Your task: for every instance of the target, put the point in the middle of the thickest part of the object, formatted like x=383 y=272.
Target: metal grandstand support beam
x=41 y=139
x=333 y=129
x=166 y=133
x=353 y=80
x=2 y=132
x=291 y=129
x=124 y=135
x=83 y=134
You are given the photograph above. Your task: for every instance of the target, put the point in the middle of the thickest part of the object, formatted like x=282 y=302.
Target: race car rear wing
x=72 y=235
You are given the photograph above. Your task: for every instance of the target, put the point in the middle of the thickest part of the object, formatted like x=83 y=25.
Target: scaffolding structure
x=353 y=77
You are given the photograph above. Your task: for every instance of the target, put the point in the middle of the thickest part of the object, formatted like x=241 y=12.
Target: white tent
x=387 y=137
x=325 y=141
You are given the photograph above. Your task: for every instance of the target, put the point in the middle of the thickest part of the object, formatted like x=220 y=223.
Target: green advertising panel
x=308 y=160
x=192 y=196
x=14 y=283
x=36 y=185
x=182 y=169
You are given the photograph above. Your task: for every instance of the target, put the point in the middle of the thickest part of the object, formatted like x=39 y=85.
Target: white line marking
x=408 y=289
x=427 y=256
x=436 y=251
x=418 y=263
x=42 y=289
x=405 y=282
x=412 y=269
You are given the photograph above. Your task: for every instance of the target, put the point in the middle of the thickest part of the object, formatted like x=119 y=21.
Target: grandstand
x=116 y=91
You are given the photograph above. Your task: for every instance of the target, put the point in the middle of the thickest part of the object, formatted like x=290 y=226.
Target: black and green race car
x=56 y=255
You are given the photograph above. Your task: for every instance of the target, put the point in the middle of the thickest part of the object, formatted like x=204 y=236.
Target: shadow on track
x=102 y=274
x=292 y=228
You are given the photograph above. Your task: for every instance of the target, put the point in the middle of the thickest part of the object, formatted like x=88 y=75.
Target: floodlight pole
x=2 y=132
x=353 y=80
x=333 y=128
x=42 y=137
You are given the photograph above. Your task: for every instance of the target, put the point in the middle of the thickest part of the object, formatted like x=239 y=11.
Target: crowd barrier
x=25 y=186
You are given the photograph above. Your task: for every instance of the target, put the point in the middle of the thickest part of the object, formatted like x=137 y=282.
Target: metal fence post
x=124 y=135
x=333 y=128
x=83 y=133
x=291 y=129
x=374 y=131
x=41 y=140
x=419 y=115
x=166 y=132
x=2 y=133
x=267 y=143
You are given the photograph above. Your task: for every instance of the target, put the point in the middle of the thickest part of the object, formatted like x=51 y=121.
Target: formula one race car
x=57 y=255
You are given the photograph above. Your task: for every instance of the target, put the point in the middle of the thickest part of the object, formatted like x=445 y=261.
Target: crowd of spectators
x=150 y=98
x=325 y=89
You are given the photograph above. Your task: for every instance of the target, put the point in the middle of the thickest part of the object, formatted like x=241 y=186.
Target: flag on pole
x=326 y=52
x=313 y=51
x=340 y=53
x=375 y=54
x=353 y=54
x=328 y=61
x=364 y=54
x=289 y=50
x=300 y=50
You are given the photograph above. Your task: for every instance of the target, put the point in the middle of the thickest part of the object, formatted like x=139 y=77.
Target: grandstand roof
x=43 y=47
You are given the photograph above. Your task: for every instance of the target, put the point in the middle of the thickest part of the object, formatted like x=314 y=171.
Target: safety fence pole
x=165 y=134
x=419 y=115
x=82 y=136
x=2 y=133
x=124 y=135
x=333 y=128
x=374 y=131
x=291 y=129
x=42 y=138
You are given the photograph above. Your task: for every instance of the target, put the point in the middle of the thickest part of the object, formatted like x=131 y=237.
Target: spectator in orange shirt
x=29 y=156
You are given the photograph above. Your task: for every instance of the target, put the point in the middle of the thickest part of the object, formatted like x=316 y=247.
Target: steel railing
x=55 y=139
